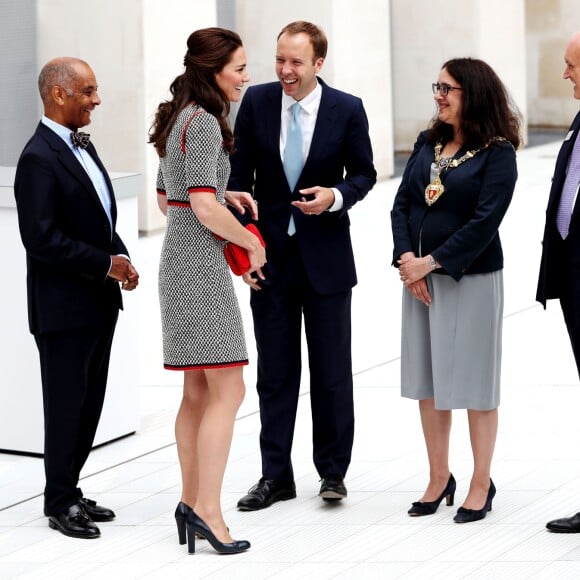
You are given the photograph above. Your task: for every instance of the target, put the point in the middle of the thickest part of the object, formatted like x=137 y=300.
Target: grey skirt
x=451 y=350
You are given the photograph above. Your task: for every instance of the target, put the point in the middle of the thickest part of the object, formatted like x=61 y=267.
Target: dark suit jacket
x=67 y=236
x=340 y=156
x=549 y=283
x=460 y=230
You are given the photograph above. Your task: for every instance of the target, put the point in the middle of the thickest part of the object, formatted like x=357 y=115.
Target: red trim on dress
x=186 y=127
x=204 y=366
x=179 y=203
x=161 y=192
x=202 y=189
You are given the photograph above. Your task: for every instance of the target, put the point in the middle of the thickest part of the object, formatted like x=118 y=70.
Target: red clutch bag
x=237 y=257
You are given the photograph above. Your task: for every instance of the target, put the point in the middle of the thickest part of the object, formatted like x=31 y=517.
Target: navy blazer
x=67 y=236
x=340 y=156
x=460 y=230
x=551 y=262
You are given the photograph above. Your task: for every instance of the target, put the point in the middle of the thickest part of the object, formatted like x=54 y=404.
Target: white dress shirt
x=309 y=106
x=87 y=163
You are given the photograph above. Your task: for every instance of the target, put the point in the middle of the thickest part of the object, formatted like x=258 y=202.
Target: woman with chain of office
x=455 y=191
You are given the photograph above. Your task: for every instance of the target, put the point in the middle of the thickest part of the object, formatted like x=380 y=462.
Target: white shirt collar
x=309 y=103
x=62 y=131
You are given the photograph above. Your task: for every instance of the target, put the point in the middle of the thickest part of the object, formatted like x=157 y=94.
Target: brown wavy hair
x=208 y=51
x=487 y=109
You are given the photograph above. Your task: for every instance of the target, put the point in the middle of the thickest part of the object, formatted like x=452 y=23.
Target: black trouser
x=277 y=311
x=74 y=366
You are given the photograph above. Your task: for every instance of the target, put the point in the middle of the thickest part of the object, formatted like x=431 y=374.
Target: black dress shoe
x=332 y=488
x=97 y=513
x=265 y=493
x=75 y=523
x=565 y=525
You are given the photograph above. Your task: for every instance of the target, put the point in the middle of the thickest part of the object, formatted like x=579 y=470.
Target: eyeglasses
x=443 y=88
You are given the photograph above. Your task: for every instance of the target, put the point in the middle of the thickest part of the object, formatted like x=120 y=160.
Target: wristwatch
x=432 y=263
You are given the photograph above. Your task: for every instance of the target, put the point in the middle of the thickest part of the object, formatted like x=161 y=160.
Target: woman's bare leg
x=483 y=433
x=436 y=430
x=191 y=410
x=225 y=394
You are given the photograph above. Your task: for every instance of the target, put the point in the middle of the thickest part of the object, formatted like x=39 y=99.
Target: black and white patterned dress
x=200 y=315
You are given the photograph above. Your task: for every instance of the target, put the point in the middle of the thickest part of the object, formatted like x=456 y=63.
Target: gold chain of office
x=435 y=189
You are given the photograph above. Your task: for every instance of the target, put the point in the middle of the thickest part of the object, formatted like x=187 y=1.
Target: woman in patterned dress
x=202 y=327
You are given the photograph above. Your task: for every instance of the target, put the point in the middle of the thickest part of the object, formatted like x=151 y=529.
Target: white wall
x=550 y=24
x=113 y=48
x=166 y=27
x=426 y=34
x=358 y=59
x=136 y=49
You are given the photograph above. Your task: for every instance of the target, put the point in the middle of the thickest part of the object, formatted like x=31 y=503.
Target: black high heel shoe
x=194 y=524
x=426 y=508
x=181 y=512
x=465 y=515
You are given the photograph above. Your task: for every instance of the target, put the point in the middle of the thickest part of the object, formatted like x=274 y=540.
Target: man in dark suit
x=303 y=199
x=560 y=265
x=75 y=261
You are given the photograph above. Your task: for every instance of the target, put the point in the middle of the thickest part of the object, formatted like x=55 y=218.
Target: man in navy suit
x=560 y=265
x=75 y=262
x=310 y=271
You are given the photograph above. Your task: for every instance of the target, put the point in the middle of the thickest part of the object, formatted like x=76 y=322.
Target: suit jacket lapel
x=567 y=147
x=562 y=163
x=324 y=123
x=93 y=153
x=272 y=119
x=72 y=164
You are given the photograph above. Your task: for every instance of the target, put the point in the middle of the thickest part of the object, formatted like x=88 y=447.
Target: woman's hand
x=252 y=279
x=257 y=256
x=257 y=259
x=412 y=269
x=240 y=200
x=420 y=291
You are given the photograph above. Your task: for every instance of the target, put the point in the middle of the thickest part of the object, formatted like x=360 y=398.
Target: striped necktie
x=569 y=191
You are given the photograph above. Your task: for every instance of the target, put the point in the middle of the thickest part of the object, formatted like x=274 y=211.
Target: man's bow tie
x=80 y=139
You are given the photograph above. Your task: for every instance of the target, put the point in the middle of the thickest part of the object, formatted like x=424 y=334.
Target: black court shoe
x=181 y=512
x=426 y=508
x=465 y=515
x=195 y=525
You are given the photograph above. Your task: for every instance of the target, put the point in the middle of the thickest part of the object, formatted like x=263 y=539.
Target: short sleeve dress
x=200 y=314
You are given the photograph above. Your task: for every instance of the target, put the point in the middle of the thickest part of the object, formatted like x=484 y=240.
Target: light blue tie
x=293 y=155
x=569 y=190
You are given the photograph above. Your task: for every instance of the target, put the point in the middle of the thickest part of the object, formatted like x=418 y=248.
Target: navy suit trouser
x=74 y=366
x=278 y=310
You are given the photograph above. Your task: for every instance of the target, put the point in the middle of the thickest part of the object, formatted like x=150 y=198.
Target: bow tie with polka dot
x=80 y=139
